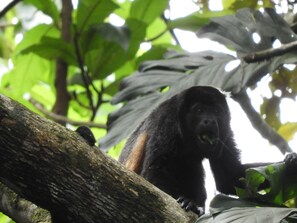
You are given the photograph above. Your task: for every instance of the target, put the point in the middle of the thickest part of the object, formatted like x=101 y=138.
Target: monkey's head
x=204 y=120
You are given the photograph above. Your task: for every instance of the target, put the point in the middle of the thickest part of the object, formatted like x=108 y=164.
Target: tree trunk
x=55 y=169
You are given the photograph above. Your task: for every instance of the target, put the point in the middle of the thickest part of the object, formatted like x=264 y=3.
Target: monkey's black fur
x=179 y=134
x=87 y=135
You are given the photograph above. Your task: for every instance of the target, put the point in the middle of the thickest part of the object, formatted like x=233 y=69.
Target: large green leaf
x=282 y=184
x=90 y=12
x=225 y=209
x=183 y=70
x=147 y=11
x=104 y=47
x=34 y=36
x=195 y=20
x=238 y=30
x=53 y=48
x=97 y=33
x=138 y=31
x=28 y=70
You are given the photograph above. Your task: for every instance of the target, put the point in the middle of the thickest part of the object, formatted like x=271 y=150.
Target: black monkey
x=167 y=148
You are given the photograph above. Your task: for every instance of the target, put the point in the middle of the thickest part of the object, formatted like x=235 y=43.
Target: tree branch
x=269 y=53
x=170 y=30
x=62 y=95
x=60 y=118
x=8 y=7
x=20 y=209
x=54 y=168
x=258 y=123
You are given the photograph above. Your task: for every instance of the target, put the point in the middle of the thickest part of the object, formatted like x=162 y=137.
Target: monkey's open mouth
x=209 y=138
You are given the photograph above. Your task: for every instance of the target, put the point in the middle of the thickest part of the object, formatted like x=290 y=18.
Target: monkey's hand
x=189 y=205
x=291 y=163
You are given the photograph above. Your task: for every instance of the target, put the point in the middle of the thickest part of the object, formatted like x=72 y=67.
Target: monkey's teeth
x=210 y=139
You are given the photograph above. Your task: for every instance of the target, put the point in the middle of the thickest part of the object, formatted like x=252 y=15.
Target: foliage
x=182 y=70
x=227 y=209
x=281 y=185
x=255 y=203
x=5 y=219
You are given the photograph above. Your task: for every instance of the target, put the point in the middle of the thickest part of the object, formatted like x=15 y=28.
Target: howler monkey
x=167 y=148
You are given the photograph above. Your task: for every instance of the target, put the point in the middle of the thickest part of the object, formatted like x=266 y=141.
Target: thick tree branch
x=263 y=128
x=20 y=209
x=269 y=53
x=55 y=169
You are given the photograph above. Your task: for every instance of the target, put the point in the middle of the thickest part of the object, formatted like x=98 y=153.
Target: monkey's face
x=203 y=124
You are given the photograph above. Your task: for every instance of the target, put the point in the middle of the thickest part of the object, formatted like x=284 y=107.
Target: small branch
x=8 y=7
x=3 y=26
x=60 y=118
x=258 y=123
x=157 y=36
x=19 y=209
x=269 y=53
x=171 y=30
x=84 y=75
x=100 y=101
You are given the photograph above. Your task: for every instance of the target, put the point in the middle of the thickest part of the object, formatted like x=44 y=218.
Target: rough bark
x=55 y=169
x=21 y=210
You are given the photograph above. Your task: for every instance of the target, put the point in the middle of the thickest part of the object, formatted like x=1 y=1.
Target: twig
x=171 y=30
x=157 y=36
x=2 y=26
x=84 y=76
x=60 y=118
x=8 y=7
x=263 y=128
x=269 y=53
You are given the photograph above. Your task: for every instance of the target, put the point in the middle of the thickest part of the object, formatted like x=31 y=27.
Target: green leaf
x=90 y=12
x=34 y=35
x=138 y=31
x=227 y=3
x=282 y=186
x=103 y=61
x=195 y=20
x=53 y=48
x=124 y=9
x=237 y=30
x=155 y=53
x=106 y=48
x=105 y=55
x=28 y=70
x=107 y=32
x=288 y=130
x=225 y=209
x=158 y=28
x=48 y=7
x=147 y=11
